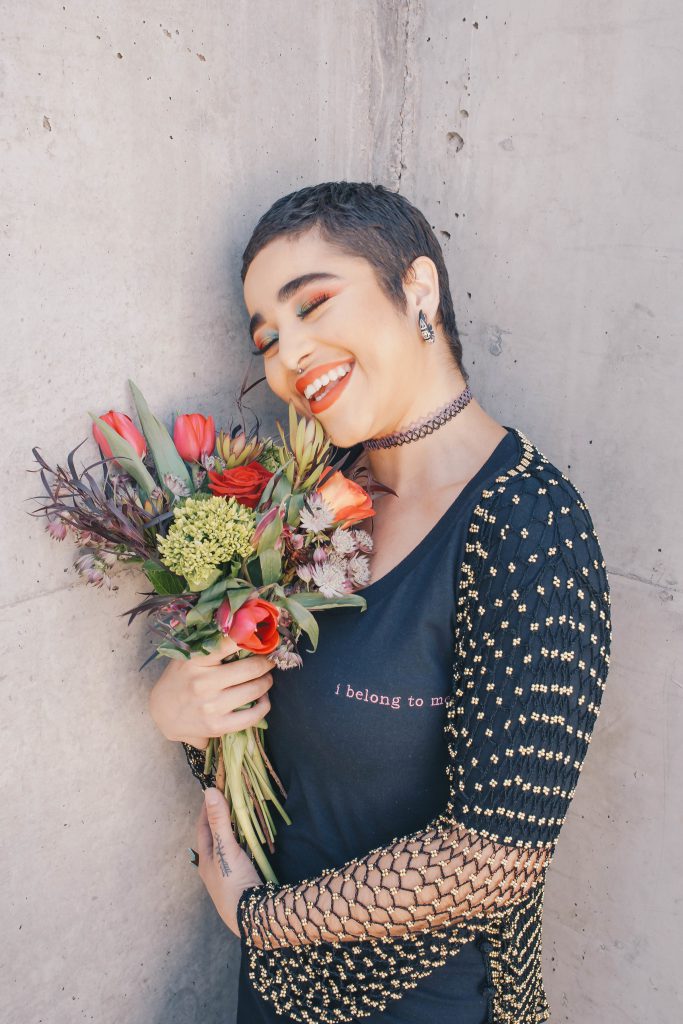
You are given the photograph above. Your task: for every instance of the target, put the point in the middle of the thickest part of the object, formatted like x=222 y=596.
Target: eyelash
x=304 y=310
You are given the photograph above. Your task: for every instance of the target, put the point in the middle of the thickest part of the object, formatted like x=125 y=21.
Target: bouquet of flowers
x=237 y=535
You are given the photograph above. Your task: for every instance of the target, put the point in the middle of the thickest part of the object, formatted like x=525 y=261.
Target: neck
x=451 y=455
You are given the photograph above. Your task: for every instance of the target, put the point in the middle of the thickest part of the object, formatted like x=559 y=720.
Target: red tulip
x=253 y=626
x=124 y=426
x=194 y=435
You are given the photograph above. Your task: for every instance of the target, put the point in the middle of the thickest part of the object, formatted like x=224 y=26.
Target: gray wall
x=140 y=143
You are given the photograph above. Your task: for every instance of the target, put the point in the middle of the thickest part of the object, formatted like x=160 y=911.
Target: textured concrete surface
x=139 y=144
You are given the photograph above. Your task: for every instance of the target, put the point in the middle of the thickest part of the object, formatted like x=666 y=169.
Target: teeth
x=336 y=374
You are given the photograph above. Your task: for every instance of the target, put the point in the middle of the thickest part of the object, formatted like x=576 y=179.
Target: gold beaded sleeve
x=531 y=657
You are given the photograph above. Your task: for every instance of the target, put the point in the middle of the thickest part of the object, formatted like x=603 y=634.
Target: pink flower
x=124 y=426
x=56 y=529
x=194 y=436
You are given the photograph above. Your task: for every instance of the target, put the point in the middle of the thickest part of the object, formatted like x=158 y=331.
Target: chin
x=344 y=437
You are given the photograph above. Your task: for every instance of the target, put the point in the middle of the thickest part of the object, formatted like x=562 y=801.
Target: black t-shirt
x=357 y=737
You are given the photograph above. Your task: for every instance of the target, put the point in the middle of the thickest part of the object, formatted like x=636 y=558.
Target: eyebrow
x=287 y=292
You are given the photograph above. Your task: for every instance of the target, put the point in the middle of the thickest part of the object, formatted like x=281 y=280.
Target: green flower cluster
x=205 y=533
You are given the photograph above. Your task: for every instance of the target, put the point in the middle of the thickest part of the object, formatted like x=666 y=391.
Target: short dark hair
x=366 y=220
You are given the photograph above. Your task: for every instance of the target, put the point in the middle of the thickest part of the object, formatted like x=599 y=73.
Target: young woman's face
x=340 y=323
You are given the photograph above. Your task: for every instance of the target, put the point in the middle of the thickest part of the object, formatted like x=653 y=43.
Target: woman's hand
x=195 y=699
x=224 y=867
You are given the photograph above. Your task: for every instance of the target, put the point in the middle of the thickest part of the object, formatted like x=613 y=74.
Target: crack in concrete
x=404 y=97
x=76 y=585
x=675 y=589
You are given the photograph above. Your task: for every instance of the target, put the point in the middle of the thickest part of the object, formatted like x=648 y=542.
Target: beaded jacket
x=531 y=656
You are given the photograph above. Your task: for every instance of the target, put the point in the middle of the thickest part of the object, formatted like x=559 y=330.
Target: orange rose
x=349 y=502
x=253 y=626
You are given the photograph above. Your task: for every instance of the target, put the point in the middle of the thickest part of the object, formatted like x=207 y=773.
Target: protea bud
x=236 y=449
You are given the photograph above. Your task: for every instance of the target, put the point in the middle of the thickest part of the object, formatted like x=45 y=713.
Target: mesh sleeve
x=531 y=656
x=196 y=759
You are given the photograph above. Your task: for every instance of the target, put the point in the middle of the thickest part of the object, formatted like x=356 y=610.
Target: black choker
x=422 y=427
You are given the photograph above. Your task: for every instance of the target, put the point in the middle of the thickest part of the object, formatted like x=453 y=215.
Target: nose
x=296 y=348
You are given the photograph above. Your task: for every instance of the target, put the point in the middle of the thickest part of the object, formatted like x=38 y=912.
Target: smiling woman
x=413 y=872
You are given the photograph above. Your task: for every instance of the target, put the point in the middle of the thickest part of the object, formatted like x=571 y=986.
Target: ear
x=421 y=285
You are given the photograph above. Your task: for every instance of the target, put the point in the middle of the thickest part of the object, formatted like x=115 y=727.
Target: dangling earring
x=426 y=329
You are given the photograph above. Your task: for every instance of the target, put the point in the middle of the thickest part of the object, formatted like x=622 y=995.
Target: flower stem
x=234 y=747
x=267 y=788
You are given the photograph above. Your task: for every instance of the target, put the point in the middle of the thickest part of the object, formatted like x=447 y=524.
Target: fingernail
x=211 y=796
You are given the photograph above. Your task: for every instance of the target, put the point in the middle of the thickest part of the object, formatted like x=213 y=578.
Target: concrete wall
x=140 y=143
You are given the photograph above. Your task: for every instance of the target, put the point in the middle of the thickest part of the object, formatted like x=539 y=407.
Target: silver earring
x=426 y=329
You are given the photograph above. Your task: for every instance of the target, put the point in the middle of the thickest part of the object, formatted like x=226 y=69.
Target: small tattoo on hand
x=218 y=850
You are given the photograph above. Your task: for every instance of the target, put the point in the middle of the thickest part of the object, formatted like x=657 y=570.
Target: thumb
x=217 y=809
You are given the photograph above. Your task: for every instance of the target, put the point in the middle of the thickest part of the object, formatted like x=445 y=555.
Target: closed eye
x=302 y=312
x=312 y=304
x=264 y=348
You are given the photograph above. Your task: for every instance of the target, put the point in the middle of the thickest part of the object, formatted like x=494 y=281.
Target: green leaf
x=271 y=566
x=303 y=618
x=163 y=580
x=164 y=452
x=219 y=589
x=168 y=651
x=238 y=597
x=299 y=440
x=200 y=615
x=320 y=602
x=125 y=454
x=270 y=535
x=266 y=497
x=282 y=489
x=312 y=478
x=210 y=644
x=203 y=581
x=292 y=426
x=294 y=506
